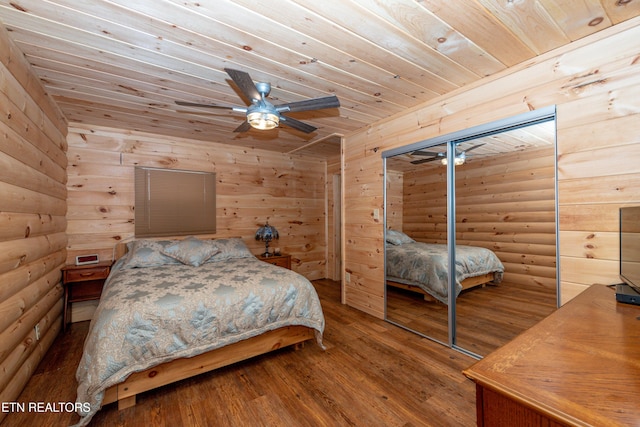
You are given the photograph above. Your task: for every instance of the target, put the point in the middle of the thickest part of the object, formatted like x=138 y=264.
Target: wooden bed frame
x=179 y=369
x=125 y=392
x=468 y=283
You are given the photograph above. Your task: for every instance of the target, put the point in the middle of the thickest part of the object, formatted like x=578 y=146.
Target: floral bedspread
x=148 y=316
x=427 y=266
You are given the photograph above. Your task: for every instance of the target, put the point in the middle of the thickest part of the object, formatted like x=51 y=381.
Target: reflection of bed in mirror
x=423 y=267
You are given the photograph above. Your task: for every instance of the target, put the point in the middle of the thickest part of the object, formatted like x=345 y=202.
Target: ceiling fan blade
x=310 y=104
x=427 y=153
x=420 y=161
x=195 y=104
x=244 y=126
x=472 y=148
x=296 y=124
x=244 y=82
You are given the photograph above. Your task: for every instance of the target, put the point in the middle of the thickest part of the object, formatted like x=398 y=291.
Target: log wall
x=32 y=220
x=504 y=203
x=595 y=84
x=252 y=186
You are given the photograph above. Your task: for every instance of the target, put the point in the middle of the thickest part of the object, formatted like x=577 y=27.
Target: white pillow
x=191 y=251
x=147 y=253
x=398 y=237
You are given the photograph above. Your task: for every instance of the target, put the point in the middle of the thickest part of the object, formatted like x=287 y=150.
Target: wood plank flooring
x=371 y=374
x=487 y=317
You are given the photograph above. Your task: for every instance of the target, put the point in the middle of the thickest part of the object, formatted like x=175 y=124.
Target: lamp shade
x=267 y=233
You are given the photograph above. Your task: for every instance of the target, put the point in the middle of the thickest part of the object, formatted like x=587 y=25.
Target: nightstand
x=281 y=260
x=83 y=283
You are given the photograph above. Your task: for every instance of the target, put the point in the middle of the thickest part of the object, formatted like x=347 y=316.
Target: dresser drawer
x=86 y=274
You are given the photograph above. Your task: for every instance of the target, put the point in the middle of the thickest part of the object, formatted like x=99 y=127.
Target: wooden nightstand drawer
x=86 y=274
x=83 y=283
x=279 y=260
x=85 y=291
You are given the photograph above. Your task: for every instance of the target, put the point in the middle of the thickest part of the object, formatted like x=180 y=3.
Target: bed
x=172 y=309
x=423 y=267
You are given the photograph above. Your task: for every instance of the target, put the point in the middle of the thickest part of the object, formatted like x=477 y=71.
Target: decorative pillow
x=147 y=253
x=191 y=251
x=230 y=248
x=398 y=237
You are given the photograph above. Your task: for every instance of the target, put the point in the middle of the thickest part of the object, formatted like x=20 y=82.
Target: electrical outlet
x=347 y=277
x=376 y=214
x=37 y=329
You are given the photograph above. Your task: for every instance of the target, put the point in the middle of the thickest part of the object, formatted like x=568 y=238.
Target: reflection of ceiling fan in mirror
x=262 y=114
x=460 y=158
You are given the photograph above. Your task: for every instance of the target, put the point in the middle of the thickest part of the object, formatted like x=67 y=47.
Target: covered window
x=172 y=202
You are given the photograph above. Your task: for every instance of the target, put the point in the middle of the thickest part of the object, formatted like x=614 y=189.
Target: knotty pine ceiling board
x=122 y=64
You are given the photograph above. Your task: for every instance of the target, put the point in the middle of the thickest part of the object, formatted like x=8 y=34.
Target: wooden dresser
x=579 y=366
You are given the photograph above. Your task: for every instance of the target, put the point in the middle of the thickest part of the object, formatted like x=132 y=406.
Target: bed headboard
x=120 y=250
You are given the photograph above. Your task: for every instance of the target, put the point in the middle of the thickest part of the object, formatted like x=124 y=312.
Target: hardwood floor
x=487 y=317
x=371 y=374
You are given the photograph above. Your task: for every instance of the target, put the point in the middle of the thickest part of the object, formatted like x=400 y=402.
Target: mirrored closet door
x=412 y=196
x=471 y=233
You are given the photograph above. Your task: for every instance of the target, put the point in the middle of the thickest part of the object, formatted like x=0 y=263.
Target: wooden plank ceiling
x=123 y=63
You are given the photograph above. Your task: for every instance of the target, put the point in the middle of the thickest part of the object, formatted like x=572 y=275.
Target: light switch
x=376 y=214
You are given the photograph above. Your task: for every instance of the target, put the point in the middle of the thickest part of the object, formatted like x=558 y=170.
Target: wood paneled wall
x=334 y=192
x=32 y=220
x=595 y=84
x=504 y=203
x=395 y=199
x=252 y=186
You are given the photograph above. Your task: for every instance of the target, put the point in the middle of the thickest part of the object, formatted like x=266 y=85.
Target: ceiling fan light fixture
x=459 y=160
x=262 y=114
x=263 y=120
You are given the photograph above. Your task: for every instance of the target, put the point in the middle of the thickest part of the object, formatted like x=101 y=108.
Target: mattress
x=148 y=316
x=427 y=266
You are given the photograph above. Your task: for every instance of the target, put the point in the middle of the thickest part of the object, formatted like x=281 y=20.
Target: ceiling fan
x=460 y=157
x=262 y=114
